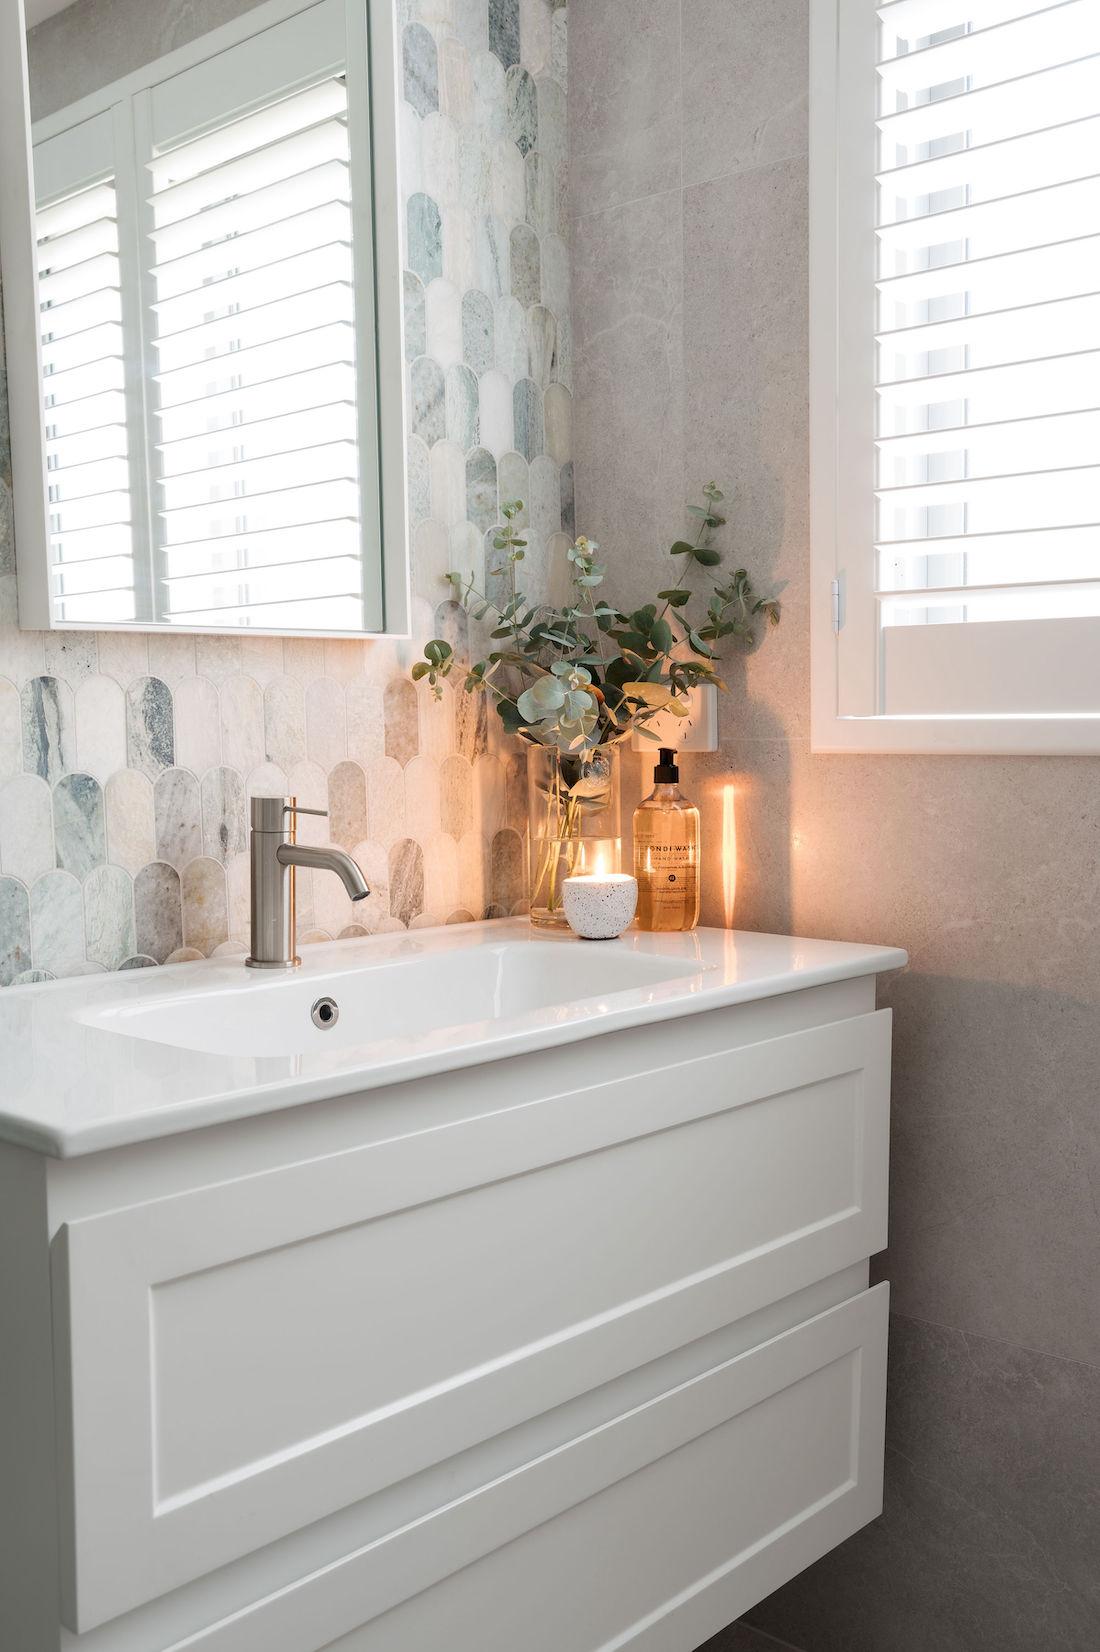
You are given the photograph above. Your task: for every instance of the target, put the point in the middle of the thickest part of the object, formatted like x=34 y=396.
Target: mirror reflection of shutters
x=257 y=497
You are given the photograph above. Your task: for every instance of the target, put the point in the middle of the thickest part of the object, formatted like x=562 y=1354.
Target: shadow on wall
x=988 y=1540
x=995 y=1163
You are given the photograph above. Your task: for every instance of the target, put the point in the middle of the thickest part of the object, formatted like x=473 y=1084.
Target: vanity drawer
x=698 y=1502
x=238 y=1361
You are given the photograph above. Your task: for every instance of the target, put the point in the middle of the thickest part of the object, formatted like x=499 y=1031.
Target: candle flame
x=729 y=852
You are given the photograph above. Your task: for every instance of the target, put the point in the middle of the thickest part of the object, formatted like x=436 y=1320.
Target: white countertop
x=72 y=1084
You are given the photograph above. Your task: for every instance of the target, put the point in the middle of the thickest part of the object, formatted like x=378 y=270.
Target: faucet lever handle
x=296 y=809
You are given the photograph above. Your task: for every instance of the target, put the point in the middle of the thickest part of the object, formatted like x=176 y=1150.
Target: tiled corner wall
x=126 y=761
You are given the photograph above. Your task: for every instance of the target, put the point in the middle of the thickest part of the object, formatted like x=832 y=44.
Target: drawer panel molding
x=238 y=1361
x=800 y=1418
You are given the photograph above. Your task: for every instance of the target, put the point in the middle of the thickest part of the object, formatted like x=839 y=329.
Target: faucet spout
x=326 y=859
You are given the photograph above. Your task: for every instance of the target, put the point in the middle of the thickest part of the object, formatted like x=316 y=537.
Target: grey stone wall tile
x=109 y=916
x=205 y=905
x=242 y=723
x=541 y=194
x=123 y=655
x=525 y=263
x=26 y=828
x=224 y=821
x=568 y=512
x=428 y=406
x=507 y=874
x=49 y=731
x=416 y=336
x=504 y=33
x=558 y=414
x=401 y=712
x=418 y=465
x=284 y=722
x=748 y=72
x=178 y=816
x=625 y=110
x=481 y=489
x=150 y=726
x=425 y=237
x=158 y=911
x=347 y=805
x=477 y=331
x=15 y=930
x=197 y=725
x=57 y=923
x=456 y=800
x=461 y=396
x=100 y=726
x=542 y=345
x=513 y=478
x=530 y=435
x=420 y=64
x=79 y=824
x=326 y=721
x=172 y=656
x=131 y=827
x=11 y=730
x=406 y=861
x=522 y=110
x=71 y=655
x=217 y=657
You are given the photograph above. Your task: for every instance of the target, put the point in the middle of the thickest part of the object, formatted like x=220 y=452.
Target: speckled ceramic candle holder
x=600 y=905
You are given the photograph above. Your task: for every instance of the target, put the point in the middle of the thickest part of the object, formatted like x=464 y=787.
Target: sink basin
x=105 y=1061
x=411 y=995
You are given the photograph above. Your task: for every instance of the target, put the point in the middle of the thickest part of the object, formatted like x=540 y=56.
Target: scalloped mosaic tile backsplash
x=126 y=761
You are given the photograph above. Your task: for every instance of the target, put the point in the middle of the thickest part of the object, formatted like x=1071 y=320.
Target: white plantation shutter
x=254 y=334
x=967 y=374
x=83 y=376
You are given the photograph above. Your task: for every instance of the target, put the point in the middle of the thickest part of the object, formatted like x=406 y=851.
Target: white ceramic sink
x=109 y=1060
x=415 y=997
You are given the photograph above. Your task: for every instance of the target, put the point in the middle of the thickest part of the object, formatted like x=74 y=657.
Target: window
x=955 y=331
x=212 y=450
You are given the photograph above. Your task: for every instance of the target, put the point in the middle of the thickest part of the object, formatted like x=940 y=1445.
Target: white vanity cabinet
x=572 y=1350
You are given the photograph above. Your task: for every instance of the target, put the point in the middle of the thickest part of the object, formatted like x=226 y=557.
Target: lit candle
x=600 y=905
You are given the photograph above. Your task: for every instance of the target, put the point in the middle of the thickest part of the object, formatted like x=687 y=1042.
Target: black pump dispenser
x=666 y=773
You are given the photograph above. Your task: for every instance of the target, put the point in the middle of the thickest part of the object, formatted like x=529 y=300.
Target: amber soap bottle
x=666 y=852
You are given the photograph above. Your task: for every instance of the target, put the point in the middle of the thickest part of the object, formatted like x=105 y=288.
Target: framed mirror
x=202 y=264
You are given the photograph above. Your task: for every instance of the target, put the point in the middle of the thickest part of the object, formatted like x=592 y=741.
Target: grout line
x=784 y=1646
x=632 y=200
x=747 y=167
x=997 y=1342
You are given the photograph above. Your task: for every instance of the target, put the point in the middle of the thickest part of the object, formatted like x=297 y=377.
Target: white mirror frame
x=19 y=276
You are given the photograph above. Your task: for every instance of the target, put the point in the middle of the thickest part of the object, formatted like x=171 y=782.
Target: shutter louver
x=988 y=340
x=83 y=385
x=254 y=335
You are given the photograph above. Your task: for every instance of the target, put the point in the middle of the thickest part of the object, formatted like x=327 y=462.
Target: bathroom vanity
x=523 y=1302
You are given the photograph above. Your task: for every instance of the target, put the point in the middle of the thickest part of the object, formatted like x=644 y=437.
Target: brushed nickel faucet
x=275 y=854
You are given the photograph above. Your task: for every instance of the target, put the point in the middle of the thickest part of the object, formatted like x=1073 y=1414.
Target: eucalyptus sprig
x=587 y=674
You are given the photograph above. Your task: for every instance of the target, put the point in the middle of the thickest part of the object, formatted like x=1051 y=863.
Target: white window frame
x=372 y=44
x=845 y=636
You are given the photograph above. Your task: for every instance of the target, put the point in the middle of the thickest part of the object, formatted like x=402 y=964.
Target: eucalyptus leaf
x=661 y=636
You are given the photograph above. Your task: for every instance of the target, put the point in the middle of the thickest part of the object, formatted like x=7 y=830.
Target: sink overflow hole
x=325 y=1013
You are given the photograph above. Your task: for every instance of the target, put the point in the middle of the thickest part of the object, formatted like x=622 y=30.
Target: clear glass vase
x=574 y=823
